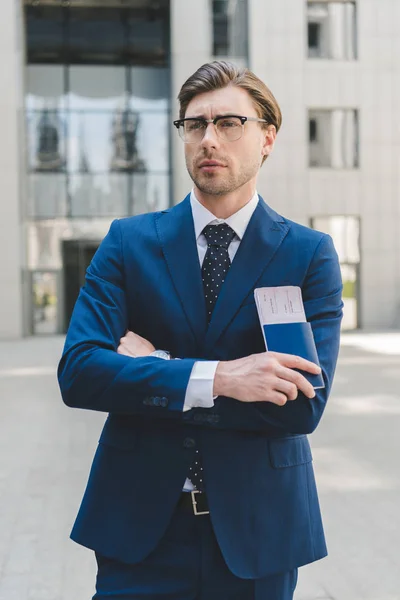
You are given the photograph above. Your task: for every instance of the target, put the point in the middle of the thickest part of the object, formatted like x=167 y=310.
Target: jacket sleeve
x=91 y=374
x=322 y=296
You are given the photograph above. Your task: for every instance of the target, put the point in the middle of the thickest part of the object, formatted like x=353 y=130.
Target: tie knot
x=219 y=235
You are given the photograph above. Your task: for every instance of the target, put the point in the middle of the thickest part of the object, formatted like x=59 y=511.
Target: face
x=235 y=163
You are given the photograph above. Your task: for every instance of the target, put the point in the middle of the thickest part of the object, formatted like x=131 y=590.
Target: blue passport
x=285 y=327
x=294 y=338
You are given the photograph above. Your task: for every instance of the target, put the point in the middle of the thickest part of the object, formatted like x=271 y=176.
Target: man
x=202 y=486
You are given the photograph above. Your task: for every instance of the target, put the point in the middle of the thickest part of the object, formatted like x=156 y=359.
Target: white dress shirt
x=199 y=392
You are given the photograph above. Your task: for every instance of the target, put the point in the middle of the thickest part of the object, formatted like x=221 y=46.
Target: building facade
x=88 y=96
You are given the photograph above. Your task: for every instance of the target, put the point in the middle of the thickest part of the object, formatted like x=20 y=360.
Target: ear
x=269 y=140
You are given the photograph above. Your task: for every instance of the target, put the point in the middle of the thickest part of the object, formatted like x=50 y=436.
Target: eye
x=230 y=123
x=194 y=125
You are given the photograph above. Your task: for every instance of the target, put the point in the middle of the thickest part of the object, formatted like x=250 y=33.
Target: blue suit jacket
x=258 y=472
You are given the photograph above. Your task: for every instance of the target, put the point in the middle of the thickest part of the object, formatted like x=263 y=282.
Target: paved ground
x=46 y=450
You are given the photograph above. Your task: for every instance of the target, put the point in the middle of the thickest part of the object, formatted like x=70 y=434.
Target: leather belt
x=195 y=502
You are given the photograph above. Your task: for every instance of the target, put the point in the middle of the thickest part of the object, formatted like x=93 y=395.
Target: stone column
x=191 y=46
x=12 y=169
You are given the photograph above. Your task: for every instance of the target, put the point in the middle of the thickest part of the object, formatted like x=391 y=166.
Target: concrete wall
x=11 y=173
x=371 y=84
x=191 y=46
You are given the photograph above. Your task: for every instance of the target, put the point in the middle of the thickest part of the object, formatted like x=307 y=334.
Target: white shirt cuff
x=199 y=392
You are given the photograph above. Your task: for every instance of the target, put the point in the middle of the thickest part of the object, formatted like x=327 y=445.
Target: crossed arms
x=260 y=392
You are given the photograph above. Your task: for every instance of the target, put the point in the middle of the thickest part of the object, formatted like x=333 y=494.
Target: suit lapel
x=264 y=234
x=175 y=230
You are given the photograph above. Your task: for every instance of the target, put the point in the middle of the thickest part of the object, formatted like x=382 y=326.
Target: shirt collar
x=238 y=221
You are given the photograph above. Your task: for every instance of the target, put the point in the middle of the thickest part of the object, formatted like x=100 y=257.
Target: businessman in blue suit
x=202 y=485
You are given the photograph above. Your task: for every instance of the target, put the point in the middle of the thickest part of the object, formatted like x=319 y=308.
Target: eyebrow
x=228 y=114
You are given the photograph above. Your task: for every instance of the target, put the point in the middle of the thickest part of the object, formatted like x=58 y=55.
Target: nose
x=210 y=139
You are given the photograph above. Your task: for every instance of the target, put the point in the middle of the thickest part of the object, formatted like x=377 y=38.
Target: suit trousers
x=187 y=564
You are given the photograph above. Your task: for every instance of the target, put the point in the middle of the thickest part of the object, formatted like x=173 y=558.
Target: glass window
x=150 y=88
x=97 y=35
x=149 y=192
x=95 y=87
x=46 y=136
x=45 y=32
x=333 y=138
x=230 y=29
x=90 y=147
x=345 y=232
x=44 y=252
x=120 y=33
x=44 y=302
x=47 y=195
x=45 y=87
x=332 y=30
x=152 y=140
x=99 y=195
x=148 y=35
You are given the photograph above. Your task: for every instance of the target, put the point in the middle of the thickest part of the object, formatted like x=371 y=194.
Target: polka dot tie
x=216 y=262
x=196 y=473
x=215 y=267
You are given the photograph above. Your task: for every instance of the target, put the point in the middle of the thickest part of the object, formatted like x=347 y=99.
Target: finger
x=124 y=350
x=278 y=398
x=296 y=362
x=288 y=388
x=297 y=379
x=131 y=334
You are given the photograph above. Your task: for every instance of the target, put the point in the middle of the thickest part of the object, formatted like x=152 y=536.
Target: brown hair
x=220 y=74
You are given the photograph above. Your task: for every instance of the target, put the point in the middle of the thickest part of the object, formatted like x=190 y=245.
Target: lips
x=210 y=163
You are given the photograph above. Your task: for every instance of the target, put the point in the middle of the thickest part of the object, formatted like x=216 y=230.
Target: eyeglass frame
x=214 y=121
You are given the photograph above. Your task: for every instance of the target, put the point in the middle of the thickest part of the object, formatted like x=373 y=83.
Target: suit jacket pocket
x=289 y=451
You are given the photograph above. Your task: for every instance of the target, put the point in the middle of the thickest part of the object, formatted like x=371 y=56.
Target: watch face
x=161 y=354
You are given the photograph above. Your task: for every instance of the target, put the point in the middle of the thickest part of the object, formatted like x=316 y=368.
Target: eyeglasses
x=229 y=127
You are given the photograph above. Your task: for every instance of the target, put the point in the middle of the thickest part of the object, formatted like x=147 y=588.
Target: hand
x=265 y=377
x=134 y=345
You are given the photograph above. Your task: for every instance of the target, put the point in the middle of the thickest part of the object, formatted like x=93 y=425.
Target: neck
x=227 y=205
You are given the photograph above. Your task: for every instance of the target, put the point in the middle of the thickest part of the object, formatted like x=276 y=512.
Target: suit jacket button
x=189 y=443
x=157 y=401
x=164 y=401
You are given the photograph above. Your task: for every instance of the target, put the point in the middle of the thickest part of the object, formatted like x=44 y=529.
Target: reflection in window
x=333 y=138
x=101 y=115
x=90 y=143
x=149 y=88
x=44 y=296
x=45 y=87
x=47 y=195
x=230 y=29
x=99 y=195
x=46 y=140
x=149 y=193
x=94 y=87
x=332 y=30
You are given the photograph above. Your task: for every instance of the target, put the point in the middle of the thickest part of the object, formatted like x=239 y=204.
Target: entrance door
x=77 y=255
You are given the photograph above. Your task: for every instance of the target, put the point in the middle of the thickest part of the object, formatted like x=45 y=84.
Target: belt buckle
x=194 y=503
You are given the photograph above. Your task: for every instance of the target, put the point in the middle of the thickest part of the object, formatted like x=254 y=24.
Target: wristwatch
x=161 y=354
